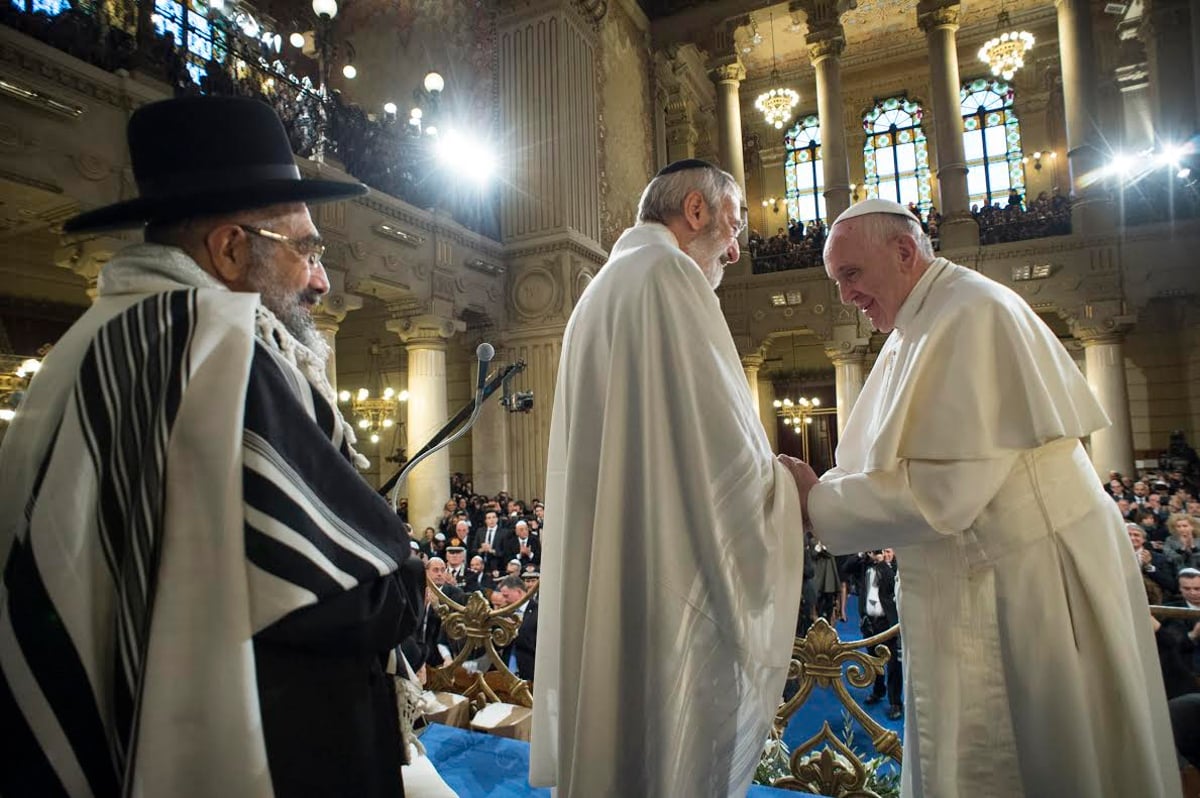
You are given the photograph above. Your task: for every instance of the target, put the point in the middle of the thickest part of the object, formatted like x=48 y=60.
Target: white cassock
x=1029 y=663
x=671 y=582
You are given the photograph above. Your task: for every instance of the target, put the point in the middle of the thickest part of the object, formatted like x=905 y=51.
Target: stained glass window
x=803 y=175
x=50 y=8
x=992 y=141
x=895 y=155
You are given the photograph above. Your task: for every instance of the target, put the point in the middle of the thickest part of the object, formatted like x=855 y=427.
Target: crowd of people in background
x=1016 y=220
x=481 y=543
x=800 y=244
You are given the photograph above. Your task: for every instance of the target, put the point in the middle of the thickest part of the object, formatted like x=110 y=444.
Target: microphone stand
x=440 y=439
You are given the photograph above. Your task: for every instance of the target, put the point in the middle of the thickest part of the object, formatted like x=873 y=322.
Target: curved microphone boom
x=484 y=354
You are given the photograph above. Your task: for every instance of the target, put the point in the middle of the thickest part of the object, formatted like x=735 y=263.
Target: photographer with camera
x=875 y=574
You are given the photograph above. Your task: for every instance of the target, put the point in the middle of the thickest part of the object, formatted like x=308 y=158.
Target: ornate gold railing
x=818 y=660
x=824 y=764
x=480 y=627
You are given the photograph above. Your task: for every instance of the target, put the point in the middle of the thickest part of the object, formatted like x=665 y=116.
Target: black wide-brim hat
x=197 y=156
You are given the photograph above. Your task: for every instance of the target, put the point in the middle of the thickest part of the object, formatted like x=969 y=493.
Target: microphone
x=484 y=354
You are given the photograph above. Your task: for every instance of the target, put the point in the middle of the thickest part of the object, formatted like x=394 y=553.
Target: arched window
x=895 y=155
x=992 y=141
x=803 y=174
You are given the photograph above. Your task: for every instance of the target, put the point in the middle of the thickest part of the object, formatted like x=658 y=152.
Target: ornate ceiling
x=866 y=23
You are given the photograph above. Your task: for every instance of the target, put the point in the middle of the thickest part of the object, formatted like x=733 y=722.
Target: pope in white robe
x=1029 y=663
x=671 y=575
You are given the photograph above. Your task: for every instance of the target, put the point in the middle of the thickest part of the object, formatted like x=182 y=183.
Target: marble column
x=1195 y=14
x=825 y=48
x=1112 y=448
x=728 y=76
x=939 y=20
x=1090 y=212
x=751 y=364
x=549 y=108
x=1165 y=30
x=766 y=412
x=425 y=340
x=848 y=370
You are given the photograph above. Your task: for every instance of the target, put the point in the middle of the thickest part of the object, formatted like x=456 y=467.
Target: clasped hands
x=805 y=479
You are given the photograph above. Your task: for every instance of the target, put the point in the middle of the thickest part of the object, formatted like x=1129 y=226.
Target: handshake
x=805 y=479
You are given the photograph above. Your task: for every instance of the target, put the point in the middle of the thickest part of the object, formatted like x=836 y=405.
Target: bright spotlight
x=389 y=109
x=343 y=396
x=350 y=71
x=471 y=159
x=363 y=423
x=431 y=130
x=1171 y=155
x=1121 y=164
x=415 y=113
x=363 y=393
x=374 y=438
x=1184 y=173
x=7 y=414
x=403 y=397
x=296 y=40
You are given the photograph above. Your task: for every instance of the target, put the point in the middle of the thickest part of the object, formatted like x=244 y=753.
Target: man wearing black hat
x=200 y=591
x=697 y=579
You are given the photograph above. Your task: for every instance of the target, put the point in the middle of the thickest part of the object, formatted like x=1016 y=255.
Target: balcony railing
x=221 y=58
x=997 y=226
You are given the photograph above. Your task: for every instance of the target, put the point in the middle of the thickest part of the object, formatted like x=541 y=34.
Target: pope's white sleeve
x=921 y=501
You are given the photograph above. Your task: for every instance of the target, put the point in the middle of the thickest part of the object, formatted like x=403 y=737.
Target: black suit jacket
x=861 y=569
x=526 y=642
x=512 y=550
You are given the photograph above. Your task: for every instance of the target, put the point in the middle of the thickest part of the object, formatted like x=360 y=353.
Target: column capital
x=334 y=307
x=752 y=362
x=934 y=14
x=425 y=332
x=86 y=257
x=844 y=353
x=732 y=71
x=825 y=42
x=1102 y=331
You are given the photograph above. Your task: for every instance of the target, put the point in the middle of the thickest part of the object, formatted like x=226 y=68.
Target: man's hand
x=805 y=479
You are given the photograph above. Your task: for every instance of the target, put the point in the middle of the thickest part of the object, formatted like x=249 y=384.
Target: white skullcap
x=874 y=206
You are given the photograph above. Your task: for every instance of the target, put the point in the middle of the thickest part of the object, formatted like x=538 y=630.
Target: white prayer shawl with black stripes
x=137 y=567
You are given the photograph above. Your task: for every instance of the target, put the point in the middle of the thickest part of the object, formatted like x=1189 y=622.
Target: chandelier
x=1005 y=52
x=373 y=415
x=798 y=416
x=776 y=105
x=15 y=374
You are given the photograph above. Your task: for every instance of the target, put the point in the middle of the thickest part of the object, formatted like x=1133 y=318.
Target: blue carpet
x=483 y=766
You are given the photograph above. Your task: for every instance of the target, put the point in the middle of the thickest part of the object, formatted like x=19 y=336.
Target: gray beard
x=289 y=309
x=707 y=250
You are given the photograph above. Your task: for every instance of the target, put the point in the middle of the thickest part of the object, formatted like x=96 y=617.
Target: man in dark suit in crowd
x=430 y=628
x=876 y=576
x=522 y=546
x=486 y=542
x=526 y=642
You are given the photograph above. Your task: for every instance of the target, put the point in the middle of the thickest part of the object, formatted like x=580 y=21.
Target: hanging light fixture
x=1005 y=52
x=776 y=104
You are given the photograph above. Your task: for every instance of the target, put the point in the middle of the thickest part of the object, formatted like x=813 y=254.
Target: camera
x=520 y=402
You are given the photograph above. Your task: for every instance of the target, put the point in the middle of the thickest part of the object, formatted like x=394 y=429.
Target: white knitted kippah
x=873 y=206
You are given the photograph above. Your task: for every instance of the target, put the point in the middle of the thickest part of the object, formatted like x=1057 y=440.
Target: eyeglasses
x=311 y=248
